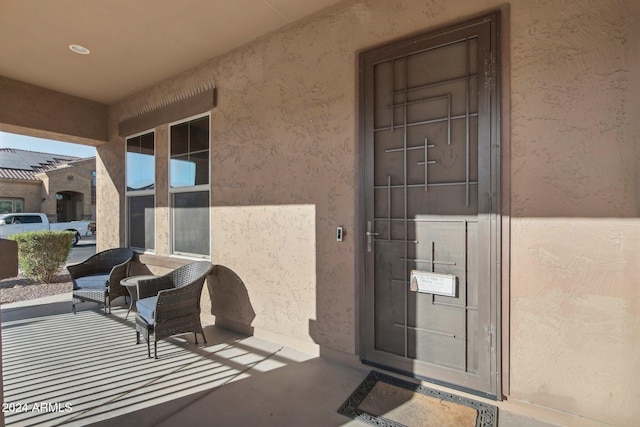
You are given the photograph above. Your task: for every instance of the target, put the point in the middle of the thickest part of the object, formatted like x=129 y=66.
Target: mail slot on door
x=434 y=283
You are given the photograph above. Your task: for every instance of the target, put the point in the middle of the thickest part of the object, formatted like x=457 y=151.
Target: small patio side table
x=131 y=283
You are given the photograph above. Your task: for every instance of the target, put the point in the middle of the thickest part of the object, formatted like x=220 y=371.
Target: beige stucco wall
x=40 y=196
x=110 y=197
x=285 y=174
x=39 y=112
x=575 y=203
x=75 y=177
x=29 y=191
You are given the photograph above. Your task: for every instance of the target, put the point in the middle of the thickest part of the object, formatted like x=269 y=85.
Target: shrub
x=42 y=253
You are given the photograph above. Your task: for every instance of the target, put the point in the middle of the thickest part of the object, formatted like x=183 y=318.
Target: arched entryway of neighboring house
x=69 y=206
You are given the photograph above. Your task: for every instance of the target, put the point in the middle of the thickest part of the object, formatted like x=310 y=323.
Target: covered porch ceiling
x=132 y=44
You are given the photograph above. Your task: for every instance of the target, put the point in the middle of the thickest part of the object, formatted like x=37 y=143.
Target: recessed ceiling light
x=79 y=49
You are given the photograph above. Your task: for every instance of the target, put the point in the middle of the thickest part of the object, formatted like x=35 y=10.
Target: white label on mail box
x=433 y=283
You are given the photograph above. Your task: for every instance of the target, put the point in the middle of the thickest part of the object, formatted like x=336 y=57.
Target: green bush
x=41 y=254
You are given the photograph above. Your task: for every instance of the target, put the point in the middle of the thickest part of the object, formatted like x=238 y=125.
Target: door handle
x=370 y=234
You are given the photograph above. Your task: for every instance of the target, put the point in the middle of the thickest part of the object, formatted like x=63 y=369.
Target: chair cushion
x=146 y=308
x=95 y=281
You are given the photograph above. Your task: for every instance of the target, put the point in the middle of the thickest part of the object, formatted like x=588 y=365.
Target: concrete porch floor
x=90 y=363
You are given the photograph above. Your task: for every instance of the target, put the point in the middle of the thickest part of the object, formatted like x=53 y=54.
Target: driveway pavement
x=85 y=248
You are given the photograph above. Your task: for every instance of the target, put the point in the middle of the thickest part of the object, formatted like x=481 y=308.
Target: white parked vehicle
x=16 y=223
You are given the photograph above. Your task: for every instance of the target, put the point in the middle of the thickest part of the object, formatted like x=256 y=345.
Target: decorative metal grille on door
x=429 y=174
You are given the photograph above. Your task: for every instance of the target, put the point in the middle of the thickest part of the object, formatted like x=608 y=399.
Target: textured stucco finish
x=110 y=197
x=61 y=116
x=275 y=261
x=285 y=173
x=40 y=196
x=29 y=191
x=75 y=177
x=575 y=335
x=575 y=203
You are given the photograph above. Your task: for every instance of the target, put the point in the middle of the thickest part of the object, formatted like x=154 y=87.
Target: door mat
x=387 y=401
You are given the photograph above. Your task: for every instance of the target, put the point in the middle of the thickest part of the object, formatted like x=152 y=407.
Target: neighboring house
x=62 y=187
x=310 y=130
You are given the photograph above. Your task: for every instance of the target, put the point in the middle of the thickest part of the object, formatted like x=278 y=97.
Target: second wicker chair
x=170 y=304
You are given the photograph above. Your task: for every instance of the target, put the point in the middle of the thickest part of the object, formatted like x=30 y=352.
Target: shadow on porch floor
x=65 y=369
x=85 y=369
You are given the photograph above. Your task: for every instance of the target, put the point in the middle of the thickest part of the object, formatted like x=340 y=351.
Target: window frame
x=188 y=189
x=129 y=194
x=13 y=201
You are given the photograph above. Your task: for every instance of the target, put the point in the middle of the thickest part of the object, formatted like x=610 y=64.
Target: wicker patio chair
x=97 y=279
x=170 y=304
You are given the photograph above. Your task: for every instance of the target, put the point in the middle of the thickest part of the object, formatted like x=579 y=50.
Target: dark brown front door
x=431 y=217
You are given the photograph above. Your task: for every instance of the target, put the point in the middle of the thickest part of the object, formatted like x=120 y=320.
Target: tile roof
x=24 y=165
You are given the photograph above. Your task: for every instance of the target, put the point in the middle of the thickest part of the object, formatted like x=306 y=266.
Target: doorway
x=432 y=207
x=69 y=206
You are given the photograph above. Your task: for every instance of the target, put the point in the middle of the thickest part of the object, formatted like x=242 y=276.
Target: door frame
x=500 y=232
